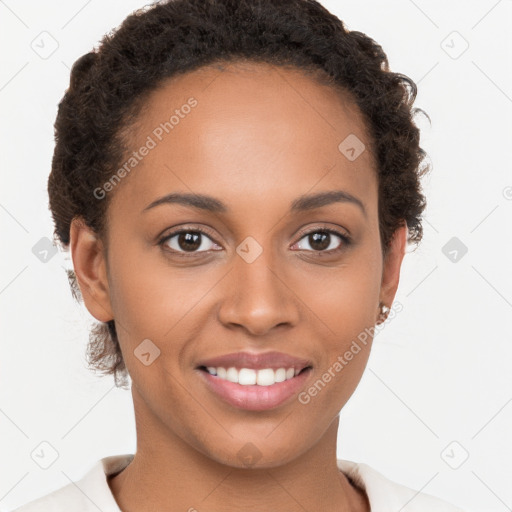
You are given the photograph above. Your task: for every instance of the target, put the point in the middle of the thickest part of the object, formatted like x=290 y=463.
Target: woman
x=237 y=182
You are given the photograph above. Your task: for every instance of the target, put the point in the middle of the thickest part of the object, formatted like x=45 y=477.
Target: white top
x=92 y=492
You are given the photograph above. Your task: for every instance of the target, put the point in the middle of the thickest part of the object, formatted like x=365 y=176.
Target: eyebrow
x=302 y=203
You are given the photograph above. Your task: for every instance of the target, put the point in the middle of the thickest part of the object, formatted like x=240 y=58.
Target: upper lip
x=258 y=361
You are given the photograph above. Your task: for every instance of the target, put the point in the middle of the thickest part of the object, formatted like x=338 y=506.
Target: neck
x=167 y=473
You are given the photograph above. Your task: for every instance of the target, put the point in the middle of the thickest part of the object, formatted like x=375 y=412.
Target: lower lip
x=253 y=397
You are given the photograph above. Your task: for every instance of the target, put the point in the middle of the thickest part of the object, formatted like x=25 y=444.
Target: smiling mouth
x=251 y=377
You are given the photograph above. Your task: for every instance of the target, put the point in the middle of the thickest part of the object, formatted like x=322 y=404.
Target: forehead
x=246 y=127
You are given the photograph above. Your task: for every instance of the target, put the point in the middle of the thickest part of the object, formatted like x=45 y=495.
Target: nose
x=257 y=296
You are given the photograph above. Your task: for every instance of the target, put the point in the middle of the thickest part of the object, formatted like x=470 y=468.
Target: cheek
x=148 y=295
x=153 y=301
x=343 y=307
x=345 y=298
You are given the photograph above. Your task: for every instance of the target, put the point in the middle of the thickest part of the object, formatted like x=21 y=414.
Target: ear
x=89 y=262
x=392 y=265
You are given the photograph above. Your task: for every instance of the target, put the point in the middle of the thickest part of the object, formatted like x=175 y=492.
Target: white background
x=439 y=371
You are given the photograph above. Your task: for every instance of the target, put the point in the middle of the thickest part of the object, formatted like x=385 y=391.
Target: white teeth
x=280 y=375
x=232 y=375
x=266 y=377
x=249 y=376
x=246 y=376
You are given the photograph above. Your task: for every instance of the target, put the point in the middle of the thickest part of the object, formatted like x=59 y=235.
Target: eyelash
x=346 y=240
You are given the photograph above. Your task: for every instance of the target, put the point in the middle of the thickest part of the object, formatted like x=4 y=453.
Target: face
x=258 y=267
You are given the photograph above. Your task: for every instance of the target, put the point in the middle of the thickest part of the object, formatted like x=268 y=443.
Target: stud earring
x=383 y=314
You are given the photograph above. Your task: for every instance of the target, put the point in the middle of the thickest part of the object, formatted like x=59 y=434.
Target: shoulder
x=89 y=494
x=384 y=494
x=66 y=498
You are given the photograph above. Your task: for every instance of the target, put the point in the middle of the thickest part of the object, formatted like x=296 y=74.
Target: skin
x=259 y=138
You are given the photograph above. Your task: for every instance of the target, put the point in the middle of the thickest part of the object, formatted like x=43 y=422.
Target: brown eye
x=188 y=241
x=323 y=240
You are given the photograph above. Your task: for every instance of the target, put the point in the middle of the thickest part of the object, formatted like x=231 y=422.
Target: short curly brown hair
x=109 y=85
